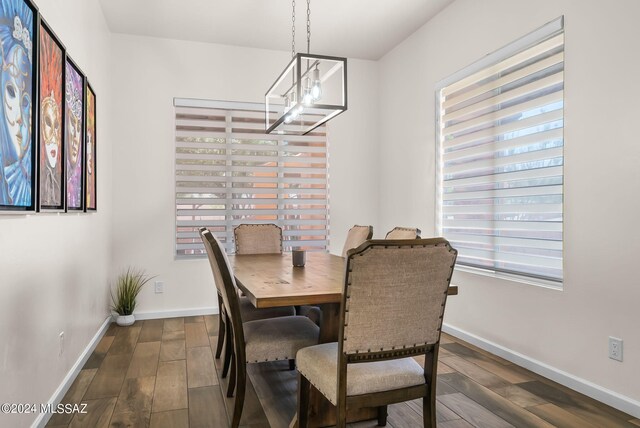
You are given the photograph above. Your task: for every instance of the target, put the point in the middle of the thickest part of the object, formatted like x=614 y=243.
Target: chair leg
x=228 y=351
x=232 y=379
x=292 y=364
x=303 y=401
x=429 y=411
x=341 y=420
x=382 y=416
x=239 y=402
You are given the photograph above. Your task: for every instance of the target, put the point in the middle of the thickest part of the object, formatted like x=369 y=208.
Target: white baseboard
x=58 y=395
x=176 y=313
x=597 y=392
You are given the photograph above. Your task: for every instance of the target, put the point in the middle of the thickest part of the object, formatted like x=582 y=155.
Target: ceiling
x=365 y=29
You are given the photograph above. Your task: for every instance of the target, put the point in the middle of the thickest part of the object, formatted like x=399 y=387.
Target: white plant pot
x=125 y=320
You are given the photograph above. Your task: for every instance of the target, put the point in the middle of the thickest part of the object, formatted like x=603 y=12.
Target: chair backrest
x=226 y=285
x=258 y=239
x=394 y=297
x=207 y=239
x=356 y=236
x=403 y=233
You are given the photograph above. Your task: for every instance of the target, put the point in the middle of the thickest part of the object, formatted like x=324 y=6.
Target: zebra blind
x=500 y=132
x=228 y=172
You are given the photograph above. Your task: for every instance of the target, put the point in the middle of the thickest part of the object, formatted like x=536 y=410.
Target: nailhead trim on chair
x=267 y=360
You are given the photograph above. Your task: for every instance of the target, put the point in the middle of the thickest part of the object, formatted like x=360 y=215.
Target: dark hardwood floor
x=161 y=373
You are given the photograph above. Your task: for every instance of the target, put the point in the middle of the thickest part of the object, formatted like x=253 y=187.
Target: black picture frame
x=44 y=202
x=18 y=171
x=91 y=156
x=74 y=144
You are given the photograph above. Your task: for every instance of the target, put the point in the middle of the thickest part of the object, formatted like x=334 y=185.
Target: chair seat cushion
x=278 y=338
x=319 y=364
x=248 y=312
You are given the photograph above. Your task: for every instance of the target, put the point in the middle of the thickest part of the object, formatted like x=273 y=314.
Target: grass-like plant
x=127 y=288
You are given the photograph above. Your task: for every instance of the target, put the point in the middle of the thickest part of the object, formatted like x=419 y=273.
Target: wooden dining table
x=270 y=280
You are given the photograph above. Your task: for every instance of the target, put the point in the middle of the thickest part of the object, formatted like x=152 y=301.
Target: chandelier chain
x=293 y=28
x=308 y=26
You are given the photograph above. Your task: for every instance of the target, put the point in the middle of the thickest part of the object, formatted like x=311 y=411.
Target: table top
x=270 y=280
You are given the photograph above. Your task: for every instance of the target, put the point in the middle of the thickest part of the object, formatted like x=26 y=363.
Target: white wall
x=569 y=329
x=147 y=74
x=54 y=267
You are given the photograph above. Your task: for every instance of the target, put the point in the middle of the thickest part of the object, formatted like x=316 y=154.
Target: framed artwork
x=18 y=152
x=90 y=152
x=74 y=136
x=51 y=165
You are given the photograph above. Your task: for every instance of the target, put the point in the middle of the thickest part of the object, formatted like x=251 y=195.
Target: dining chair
x=403 y=233
x=356 y=236
x=258 y=239
x=249 y=313
x=253 y=341
x=392 y=307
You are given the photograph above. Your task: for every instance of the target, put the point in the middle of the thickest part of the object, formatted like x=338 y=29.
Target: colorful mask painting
x=51 y=97
x=16 y=127
x=91 y=149
x=74 y=97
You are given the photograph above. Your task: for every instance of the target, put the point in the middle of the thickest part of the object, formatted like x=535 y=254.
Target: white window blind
x=228 y=172
x=500 y=171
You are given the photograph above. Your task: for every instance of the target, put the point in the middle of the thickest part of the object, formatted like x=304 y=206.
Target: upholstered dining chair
x=392 y=307
x=356 y=236
x=403 y=233
x=248 y=311
x=254 y=341
x=258 y=239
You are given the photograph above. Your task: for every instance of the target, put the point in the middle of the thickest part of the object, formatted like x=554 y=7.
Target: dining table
x=271 y=280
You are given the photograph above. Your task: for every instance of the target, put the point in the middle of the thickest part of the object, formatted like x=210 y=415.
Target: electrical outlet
x=615 y=348
x=159 y=287
x=61 y=342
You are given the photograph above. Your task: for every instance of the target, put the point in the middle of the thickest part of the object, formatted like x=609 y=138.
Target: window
x=228 y=171
x=500 y=169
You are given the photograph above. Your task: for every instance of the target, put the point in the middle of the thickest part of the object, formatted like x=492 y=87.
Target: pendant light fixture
x=311 y=90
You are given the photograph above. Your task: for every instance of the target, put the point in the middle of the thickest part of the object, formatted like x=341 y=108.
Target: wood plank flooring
x=162 y=373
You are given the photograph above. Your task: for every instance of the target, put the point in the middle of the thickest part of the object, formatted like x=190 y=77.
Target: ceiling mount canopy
x=311 y=90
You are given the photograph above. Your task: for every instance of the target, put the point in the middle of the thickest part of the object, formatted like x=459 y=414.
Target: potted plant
x=127 y=288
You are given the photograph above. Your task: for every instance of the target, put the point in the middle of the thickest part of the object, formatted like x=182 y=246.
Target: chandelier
x=311 y=90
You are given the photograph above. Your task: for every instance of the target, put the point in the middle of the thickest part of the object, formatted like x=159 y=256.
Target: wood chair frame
x=235 y=336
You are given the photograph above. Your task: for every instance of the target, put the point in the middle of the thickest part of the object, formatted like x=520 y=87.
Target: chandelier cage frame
x=323 y=112
x=299 y=109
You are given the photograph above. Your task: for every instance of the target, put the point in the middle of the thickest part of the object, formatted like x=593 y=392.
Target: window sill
x=551 y=285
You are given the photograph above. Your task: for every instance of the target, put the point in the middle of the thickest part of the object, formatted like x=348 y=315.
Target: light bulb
x=307 y=98
x=316 y=89
x=287 y=119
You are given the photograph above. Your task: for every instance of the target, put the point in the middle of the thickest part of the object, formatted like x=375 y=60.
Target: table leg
x=329 y=322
